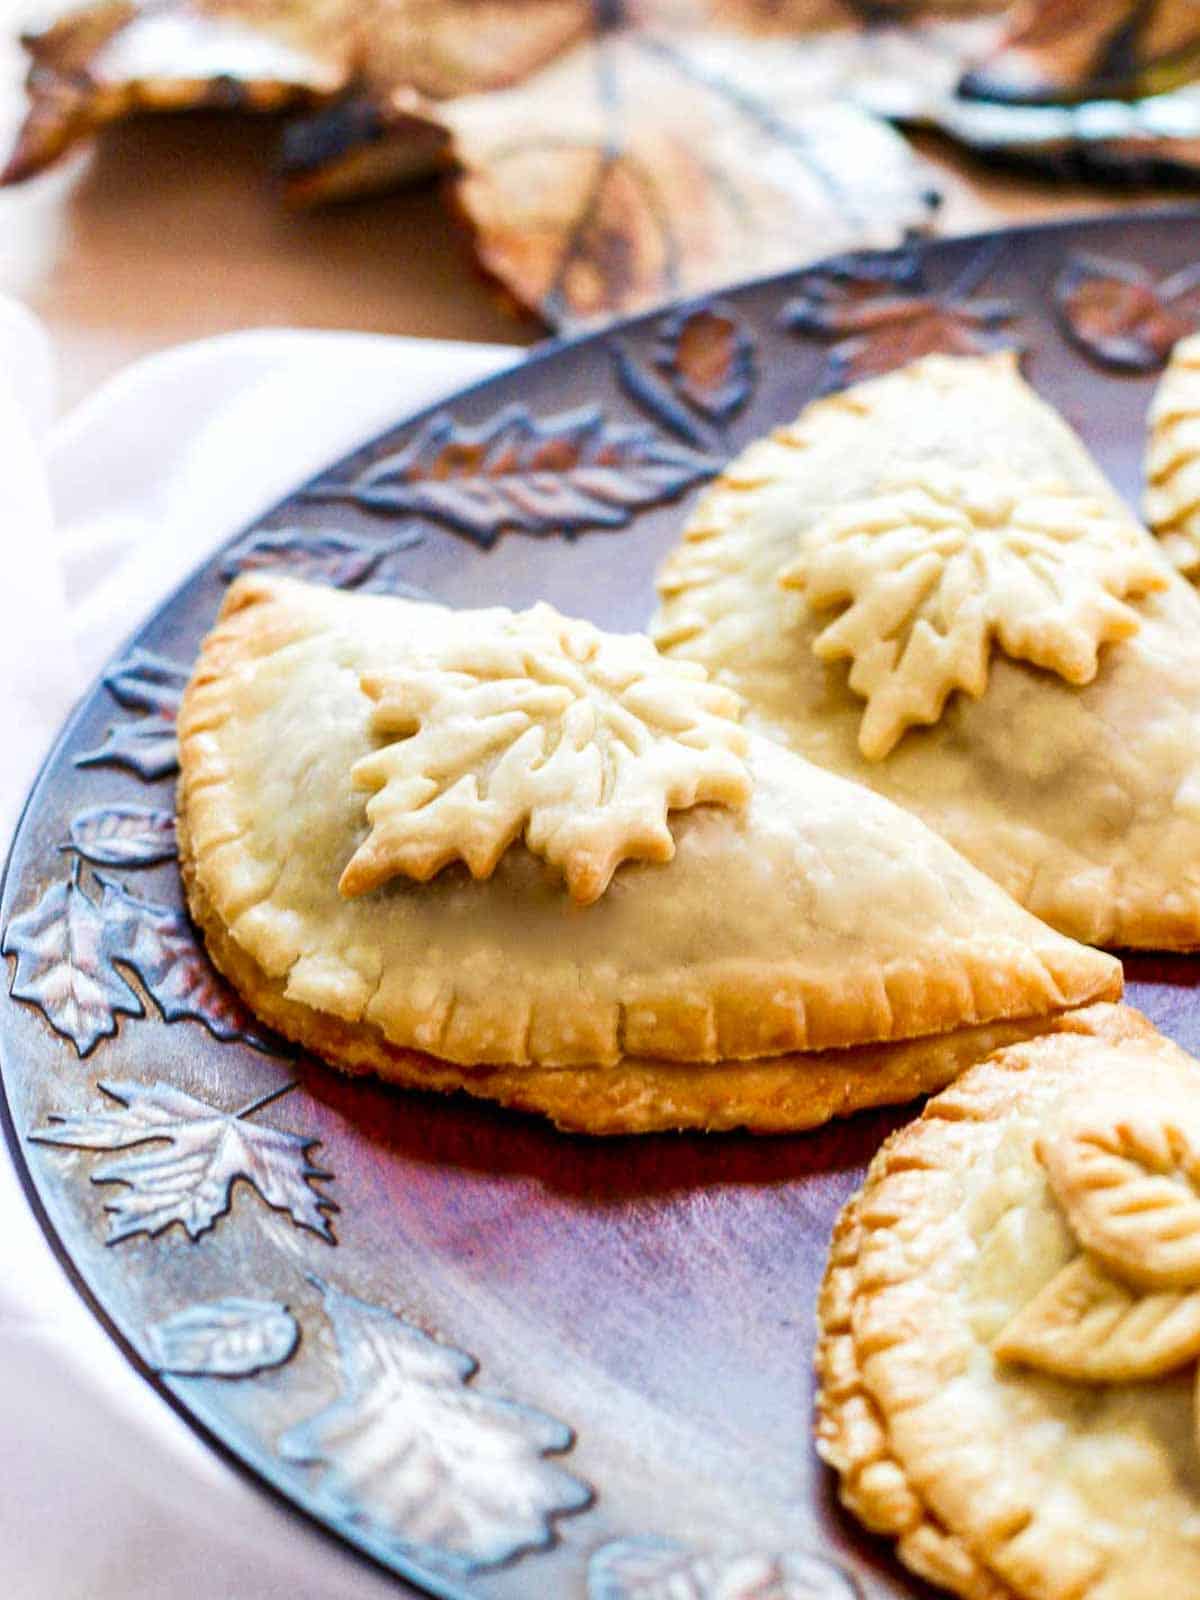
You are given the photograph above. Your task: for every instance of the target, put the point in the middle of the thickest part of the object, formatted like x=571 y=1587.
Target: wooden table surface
x=168 y=230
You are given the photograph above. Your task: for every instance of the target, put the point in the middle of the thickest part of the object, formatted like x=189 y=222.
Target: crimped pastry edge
x=850 y=1431
x=786 y=1095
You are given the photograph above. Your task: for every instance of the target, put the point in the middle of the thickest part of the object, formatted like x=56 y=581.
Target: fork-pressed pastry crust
x=999 y=1481
x=1059 y=675
x=1172 y=499
x=813 y=918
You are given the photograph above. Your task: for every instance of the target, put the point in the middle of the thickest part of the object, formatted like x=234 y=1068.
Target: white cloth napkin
x=105 y=1494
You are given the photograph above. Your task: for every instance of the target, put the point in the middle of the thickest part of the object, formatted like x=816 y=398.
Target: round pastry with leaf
x=1010 y=1324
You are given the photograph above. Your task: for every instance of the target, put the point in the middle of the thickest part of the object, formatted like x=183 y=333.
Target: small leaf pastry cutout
x=1091 y=1327
x=580 y=741
x=1129 y=1182
x=943 y=561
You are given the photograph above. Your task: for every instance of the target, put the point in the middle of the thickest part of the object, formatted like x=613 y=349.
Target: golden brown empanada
x=1010 y=1323
x=925 y=584
x=514 y=854
x=1172 y=502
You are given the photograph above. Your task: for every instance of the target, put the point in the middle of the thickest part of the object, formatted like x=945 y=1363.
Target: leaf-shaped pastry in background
x=1128 y=1177
x=1093 y=1328
x=64 y=968
x=123 y=835
x=207 y=1151
x=648 y=165
x=1121 y=315
x=578 y=741
x=882 y=315
x=941 y=563
x=1172 y=499
x=229 y=1338
x=541 y=475
x=660 y=1569
x=102 y=62
x=1070 y=50
x=420 y=1460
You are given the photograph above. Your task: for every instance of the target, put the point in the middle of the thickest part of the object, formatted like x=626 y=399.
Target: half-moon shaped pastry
x=1010 y=1324
x=926 y=584
x=514 y=854
x=1172 y=502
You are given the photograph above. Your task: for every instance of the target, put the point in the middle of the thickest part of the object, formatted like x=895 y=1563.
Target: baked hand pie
x=925 y=584
x=1172 y=499
x=1010 y=1324
x=513 y=854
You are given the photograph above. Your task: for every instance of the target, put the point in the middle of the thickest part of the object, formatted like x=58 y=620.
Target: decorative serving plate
x=499 y=1360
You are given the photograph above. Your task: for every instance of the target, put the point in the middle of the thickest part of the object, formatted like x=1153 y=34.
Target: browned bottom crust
x=851 y=1433
x=782 y=1094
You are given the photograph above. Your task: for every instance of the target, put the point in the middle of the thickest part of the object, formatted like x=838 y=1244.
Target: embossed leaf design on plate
x=1122 y=315
x=557 y=475
x=546 y=729
x=143 y=681
x=944 y=561
x=324 y=555
x=660 y=1569
x=158 y=942
x=421 y=1461
x=198 y=1154
x=229 y=1338
x=64 y=967
x=707 y=355
x=124 y=835
x=881 y=315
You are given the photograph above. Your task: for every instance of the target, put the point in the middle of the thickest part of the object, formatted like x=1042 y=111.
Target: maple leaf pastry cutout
x=547 y=729
x=943 y=562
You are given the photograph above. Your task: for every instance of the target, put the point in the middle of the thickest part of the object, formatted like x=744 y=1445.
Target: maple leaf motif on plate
x=318 y=555
x=544 y=728
x=942 y=562
x=421 y=1461
x=880 y=314
x=64 y=967
x=661 y=1569
x=553 y=475
x=198 y=1153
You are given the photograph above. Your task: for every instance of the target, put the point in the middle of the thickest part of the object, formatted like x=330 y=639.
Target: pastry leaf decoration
x=124 y=835
x=1127 y=1306
x=660 y=1569
x=554 y=475
x=545 y=729
x=1172 y=500
x=879 y=313
x=195 y=1155
x=146 y=682
x=229 y=1338
x=1129 y=1182
x=326 y=555
x=942 y=563
x=1089 y=1326
x=420 y=1461
x=62 y=946
x=1121 y=315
